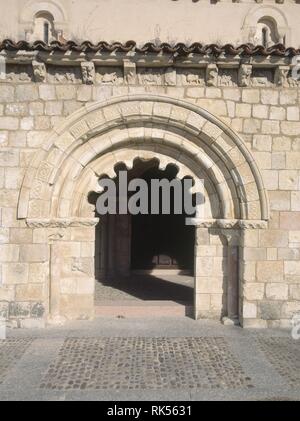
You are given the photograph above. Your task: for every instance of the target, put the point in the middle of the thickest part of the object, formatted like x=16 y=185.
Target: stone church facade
x=72 y=107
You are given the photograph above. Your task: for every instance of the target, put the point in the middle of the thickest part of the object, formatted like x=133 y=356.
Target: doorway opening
x=144 y=263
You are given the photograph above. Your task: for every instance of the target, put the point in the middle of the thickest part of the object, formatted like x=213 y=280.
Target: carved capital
x=232 y=236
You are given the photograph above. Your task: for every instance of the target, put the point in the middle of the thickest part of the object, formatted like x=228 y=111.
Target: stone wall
x=157 y=21
x=264 y=112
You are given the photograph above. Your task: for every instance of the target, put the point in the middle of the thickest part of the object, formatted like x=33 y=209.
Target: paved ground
x=177 y=288
x=160 y=359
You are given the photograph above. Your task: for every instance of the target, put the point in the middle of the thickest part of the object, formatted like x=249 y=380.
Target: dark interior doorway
x=161 y=241
x=147 y=258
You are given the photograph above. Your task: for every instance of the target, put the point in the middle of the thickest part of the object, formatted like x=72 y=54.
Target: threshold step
x=142 y=309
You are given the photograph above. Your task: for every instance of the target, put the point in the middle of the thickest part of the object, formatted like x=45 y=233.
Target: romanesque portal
x=54 y=196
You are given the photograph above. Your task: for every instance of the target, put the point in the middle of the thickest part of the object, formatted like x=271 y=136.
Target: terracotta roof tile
x=180 y=48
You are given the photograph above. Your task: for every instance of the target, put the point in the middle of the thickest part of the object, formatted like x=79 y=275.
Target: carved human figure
x=282 y=76
x=245 y=72
x=212 y=75
x=39 y=71
x=88 y=72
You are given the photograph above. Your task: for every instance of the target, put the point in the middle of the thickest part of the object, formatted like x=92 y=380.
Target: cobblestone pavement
x=11 y=350
x=144 y=359
x=145 y=363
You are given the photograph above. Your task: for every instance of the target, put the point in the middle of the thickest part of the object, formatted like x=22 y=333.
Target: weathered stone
x=30 y=292
x=249 y=310
x=33 y=253
x=269 y=271
x=19 y=309
x=254 y=291
x=15 y=273
x=277 y=291
x=270 y=310
x=26 y=92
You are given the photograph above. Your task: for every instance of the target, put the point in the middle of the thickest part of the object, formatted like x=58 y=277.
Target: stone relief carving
x=227 y=77
x=83 y=265
x=129 y=72
x=212 y=75
x=18 y=73
x=281 y=76
x=192 y=77
x=64 y=74
x=109 y=75
x=88 y=72
x=37 y=189
x=262 y=77
x=39 y=71
x=291 y=82
x=170 y=76
x=253 y=224
x=61 y=222
x=44 y=171
x=150 y=76
x=229 y=223
x=244 y=75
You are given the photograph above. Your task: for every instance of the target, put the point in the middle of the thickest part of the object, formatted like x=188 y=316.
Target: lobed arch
x=96 y=137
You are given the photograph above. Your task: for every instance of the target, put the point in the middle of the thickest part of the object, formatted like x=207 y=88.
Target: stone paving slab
x=112 y=359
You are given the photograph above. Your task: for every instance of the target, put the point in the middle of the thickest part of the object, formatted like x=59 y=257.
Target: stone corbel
x=88 y=72
x=129 y=72
x=281 y=76
x=39 y=71
x=170 y=76
x=212 y=74
x=244 y=75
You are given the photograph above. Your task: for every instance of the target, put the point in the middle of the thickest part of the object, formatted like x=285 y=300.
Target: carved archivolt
x=105 y=133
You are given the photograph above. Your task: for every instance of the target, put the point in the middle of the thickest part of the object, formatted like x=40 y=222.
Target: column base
x=230 y=321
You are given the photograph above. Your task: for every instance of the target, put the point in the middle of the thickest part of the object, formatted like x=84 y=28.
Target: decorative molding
x=225 y=224
x=62 y=222
x=253 y=224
